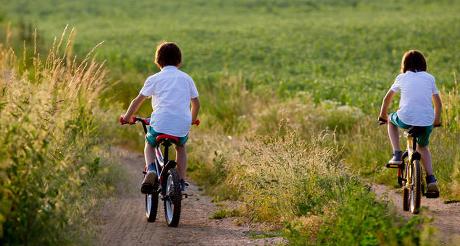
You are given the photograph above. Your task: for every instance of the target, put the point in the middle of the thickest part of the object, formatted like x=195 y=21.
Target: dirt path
x=446 y=217
x=123 y=221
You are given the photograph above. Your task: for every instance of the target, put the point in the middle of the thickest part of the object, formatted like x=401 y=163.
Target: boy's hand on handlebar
x=437 y=123
x=196 y=122
x=382 y=120
x=124 y=121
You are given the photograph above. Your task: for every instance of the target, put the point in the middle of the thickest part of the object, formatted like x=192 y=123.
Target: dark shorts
x=152 y=136
x=424 y=138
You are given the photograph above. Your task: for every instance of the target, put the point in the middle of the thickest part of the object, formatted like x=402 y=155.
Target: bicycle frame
x=166 y=185
x=412 y=148
x=162 y=163
x=413 y=155
x=413 y=185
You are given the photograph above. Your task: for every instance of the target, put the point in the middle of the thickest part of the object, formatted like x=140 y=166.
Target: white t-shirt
x=415 y=105
x=171 y=91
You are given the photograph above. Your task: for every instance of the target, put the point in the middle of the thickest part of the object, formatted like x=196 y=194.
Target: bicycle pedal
x=389 y=165
x=400 y=180
x=432 y=195
x=184 y=195
x=147 y=188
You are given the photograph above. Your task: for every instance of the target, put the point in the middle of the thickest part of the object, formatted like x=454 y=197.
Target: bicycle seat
x=415 y=131
x=165 y=137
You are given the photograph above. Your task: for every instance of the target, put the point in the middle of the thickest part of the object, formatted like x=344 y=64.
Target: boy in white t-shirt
x=418 y=92
x=172 y=92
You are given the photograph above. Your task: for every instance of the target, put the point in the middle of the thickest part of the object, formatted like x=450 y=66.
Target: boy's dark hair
x=168 y=54
x=413 y=60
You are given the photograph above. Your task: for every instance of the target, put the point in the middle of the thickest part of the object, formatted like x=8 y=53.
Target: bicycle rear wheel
x=173 y=198
x=416 y=187
x=151 y=206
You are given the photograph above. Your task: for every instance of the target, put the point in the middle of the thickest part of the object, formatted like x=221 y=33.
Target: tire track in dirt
x=122 y=218
x=446 y=217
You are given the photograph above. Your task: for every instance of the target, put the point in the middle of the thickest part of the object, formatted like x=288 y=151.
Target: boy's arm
x=195 y=108
x=385 y=104
x=437 y=109
x=133 y=107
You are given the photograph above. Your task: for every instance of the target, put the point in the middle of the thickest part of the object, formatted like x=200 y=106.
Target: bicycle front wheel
x=151 y=206
x=405 y=184
x=173 y=198
x=416 y=187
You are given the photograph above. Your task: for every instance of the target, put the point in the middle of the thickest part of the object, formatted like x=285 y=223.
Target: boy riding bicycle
x=418 y=92
x=172 y=92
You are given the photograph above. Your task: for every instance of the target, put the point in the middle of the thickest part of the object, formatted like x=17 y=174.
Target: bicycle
x=410 y=171
x=166 y=186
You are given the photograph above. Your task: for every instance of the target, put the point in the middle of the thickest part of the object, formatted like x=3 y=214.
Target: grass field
x=269 y=69
x=346 y=51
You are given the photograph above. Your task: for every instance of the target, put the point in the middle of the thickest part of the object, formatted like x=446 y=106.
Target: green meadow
x=290 y=94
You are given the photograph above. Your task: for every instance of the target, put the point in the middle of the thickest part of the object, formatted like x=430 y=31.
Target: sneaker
x=432 y=190
x=149 y=181
x=183 y=185
x=397 y=158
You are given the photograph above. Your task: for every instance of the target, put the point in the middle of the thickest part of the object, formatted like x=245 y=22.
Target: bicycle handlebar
x=123 y=122
x=146 y=121
x=383 y=121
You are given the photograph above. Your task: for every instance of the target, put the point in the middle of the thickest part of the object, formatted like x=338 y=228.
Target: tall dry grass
x=50 y=135
x=300 y=188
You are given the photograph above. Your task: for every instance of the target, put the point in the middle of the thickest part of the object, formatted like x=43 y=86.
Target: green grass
x=346 y=51
x=225 y=213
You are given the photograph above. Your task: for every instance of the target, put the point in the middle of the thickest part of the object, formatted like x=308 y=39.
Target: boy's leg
x=181 y=159
x=149 y=154
x=422 y=148
x=432 y=185
x=150 y=175
x=426 y=159
x=393 y=133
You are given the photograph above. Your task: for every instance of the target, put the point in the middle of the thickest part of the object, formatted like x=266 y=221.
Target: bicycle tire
x=173 y=198
x=151 y=206
x=406 y=199
x=416 y=187
x=405 y=189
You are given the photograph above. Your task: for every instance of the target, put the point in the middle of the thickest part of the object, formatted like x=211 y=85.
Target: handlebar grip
x=382 y=121
x=122 y=121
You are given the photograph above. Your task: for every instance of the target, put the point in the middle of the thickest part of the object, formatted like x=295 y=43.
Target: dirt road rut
x=446 y=217
x=122 y=219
